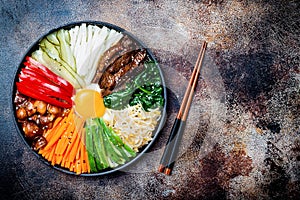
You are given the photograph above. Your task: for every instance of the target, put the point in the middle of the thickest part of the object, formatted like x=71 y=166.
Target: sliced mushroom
x=30 y=108
x=30 y=129
x=54 y=110
x=19 y=99
x=41 y=106
x=21 y=113
x=46 y=119
x=35 y=118
x=38 y=143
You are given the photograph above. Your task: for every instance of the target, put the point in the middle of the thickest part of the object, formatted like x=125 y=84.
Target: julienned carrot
x=46 y=154
x=70 y=146
x=72 y=140
x=82 y=156
x=65 y=144
x=87 y=164
x=64 y=140
x=77 y=162
x=49 y=132
x=81 y=163
x=59 y=132
x=58 y=159
x=52 y=158
x=74 y=150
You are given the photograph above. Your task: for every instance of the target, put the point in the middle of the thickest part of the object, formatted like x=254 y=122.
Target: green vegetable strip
x=90 y=149
x=105 y=148
x=100 y=145
x=97 y=146
x=117 y=142
x=111 y=150
x=129 y=151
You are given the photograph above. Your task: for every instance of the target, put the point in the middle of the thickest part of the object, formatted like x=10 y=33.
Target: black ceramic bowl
x=149 y=54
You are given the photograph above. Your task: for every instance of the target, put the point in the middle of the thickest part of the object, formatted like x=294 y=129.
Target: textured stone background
x=242 y=140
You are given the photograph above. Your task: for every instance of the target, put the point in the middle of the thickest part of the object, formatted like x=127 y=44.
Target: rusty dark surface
x=242 y=139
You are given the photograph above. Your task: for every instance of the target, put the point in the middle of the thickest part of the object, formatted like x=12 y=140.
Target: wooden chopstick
x=171 y=149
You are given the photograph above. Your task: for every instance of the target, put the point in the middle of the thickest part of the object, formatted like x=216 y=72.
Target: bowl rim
x=156 y=132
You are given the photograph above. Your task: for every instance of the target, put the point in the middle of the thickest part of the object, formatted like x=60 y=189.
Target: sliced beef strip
x=123 y=64
x=126 y=44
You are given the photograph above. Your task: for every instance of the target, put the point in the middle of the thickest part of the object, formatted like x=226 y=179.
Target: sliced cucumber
x=52 y=38
x=65 y=49
x=58 y=68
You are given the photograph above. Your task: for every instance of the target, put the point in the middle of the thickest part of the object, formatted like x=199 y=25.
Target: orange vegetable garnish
x=66 y=146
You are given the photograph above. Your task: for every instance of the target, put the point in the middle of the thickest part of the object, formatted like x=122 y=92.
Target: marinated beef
x=126 y=44
x=123 y=64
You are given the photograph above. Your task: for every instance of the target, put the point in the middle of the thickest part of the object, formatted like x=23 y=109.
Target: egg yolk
x=89 y=103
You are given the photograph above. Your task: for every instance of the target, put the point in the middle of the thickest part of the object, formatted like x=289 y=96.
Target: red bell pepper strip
x=35 y=78
x=35 y=73
x=38 y=82
x=48 y=73
x=45 y=91
x=31 y=92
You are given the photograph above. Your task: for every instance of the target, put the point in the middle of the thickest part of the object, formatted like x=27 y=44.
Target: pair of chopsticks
x=171 y=149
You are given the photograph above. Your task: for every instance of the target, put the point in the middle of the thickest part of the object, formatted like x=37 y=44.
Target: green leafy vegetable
x=145 y=89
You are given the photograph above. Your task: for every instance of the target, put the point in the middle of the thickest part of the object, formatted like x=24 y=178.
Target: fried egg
x=89 y=102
